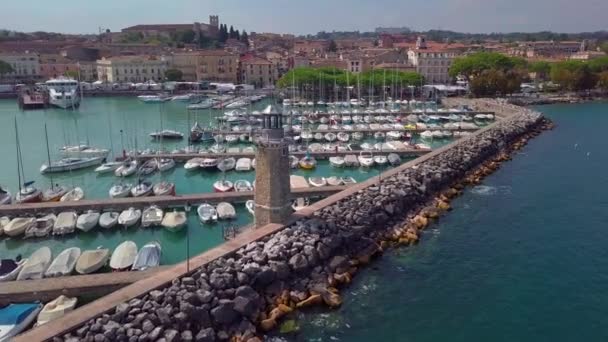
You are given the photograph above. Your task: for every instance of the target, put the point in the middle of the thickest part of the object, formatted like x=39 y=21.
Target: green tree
x=604 y=47
x=332 y=46
x=598 y=65
x=476 y=63
x=173 y=75
x=573 y=75
x=5 y=68
x=602 y=82
x=542 y=69
x=245 y=37
x=223 y=33
x=231 y=34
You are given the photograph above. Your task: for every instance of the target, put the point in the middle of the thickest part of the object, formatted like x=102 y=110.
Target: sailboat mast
x=48 y=154
x=17 y=154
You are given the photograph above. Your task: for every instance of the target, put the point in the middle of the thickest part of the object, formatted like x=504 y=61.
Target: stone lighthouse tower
x=272 y=186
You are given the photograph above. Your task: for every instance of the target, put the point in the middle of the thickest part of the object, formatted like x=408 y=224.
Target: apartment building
x=432 y=62
x=135 y=69
x=257 y=71
x=217 y=66
x=26 y=67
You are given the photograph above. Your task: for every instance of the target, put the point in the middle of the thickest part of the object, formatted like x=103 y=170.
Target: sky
x=309 y=16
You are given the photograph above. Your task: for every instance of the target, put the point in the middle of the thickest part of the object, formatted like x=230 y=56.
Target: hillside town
x=210 y=53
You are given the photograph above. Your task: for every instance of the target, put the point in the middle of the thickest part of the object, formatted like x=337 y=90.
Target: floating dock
x=364 y=113
x=366 y=130
x=119 y=204
x=47 y=289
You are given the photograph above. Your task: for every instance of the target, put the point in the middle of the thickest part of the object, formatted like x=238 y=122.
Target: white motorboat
x=253 y=163
x=129 y=217
x=18 y=226
x=366 y=159
x=15 y=318
x=243 y=164
x=108 y=219
x=232 y=138
x=193 y=164
x=123 y=256
x=393 y=135
x=379 y=135
x=226 y=164
x=206 y=213
x=319 y=137
x=426 y=135
x=250 y=205
x=70 y=164
x=55 y=309
x=87 y=221
x=348 y=181
x=209 y=163
x=351 y=160
x=182 y=98
x=164 y=188
x=5 y=196
x=66 y=223
x=152 y=216
x=153 y=98
x=308 y=163
x=73 y=195
x=175 y=220
x=120 y=190
x=334 y=181
x=36 y=265
x=84 y=151
x=147 y=257
x=225 y=211
x=10 y=268
x=127 y=169
x=165 y=164
x=423 y=146
x=42 y=227
x=64 y=263
x=144 y=188
x=336 y=161
x=92 y=260
x=394 y=159
x=343 y=137
x=380 y=160
x=306 y=136
x=206 y=104
x=300 y=203
x=63 y=92
x=223 y=186
x=167 y=134
x=330 y=137
x=243 y=186
x=317 y=181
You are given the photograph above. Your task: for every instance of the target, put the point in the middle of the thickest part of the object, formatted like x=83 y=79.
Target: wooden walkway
x=411 y=152
x=46 y=290
x=119 y=204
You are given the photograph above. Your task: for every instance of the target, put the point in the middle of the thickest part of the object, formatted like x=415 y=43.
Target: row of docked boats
x=41 y=263
x=142 y=189
x=30 y=194
x=17 y=317
x=208 y=213
x=357 y=103
x=223 y=165
x=131 y=167
x=365 y=159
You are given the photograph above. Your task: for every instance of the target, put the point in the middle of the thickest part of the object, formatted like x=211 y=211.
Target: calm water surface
x=521 y=258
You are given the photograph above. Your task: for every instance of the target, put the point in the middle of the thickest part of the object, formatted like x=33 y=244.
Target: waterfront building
x=311 y=47
x=54 y=66
x=546 y=49
x=432 y=63
x=88 y=71
x=167 y=30
x=26 y=67
x=217 y=66
x=186 y=63
x=272 y=179
x=257 y=71
x=587 y=55
x=135 y=69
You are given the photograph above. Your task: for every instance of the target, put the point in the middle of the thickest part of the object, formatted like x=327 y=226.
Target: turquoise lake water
x=522 y=258
x=100 y=121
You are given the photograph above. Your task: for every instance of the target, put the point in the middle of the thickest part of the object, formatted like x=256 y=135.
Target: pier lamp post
x=187 y=210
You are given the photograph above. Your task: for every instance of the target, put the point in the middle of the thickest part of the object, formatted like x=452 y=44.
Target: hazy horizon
x=283 y=16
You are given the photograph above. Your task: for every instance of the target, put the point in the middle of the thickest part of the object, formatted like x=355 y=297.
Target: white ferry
x=63 y=92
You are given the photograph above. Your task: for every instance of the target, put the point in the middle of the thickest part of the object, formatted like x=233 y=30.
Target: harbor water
x=120 y=123
x=522 y=257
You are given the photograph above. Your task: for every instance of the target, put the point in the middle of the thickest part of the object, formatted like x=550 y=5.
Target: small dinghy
x=165 y=164
x=108 y=167
x=36 y=265
x=147 y=257
x=343 y=137
x=394 y=159
x=226 y=164
x=124 y=256
x=336 y=161
x=129 y=217
x=308 y=163
x=15 y=318
x=243 y=186
x=351 y=160
x=164 y=189
x=92 y=260
x=348 y=181
x=56 y=309
x=250 y=205
x=152 y=216
x=193 y=164
x=206 y=213
x=108 y=220
x=223 y=186
x=225 y=211
x=148 y=168
x=174 y=221
x=319 y=137
x=209 y=163
x=42 y=227
x=334 y=181
x=9 y=268
x=300 y=203
x=66 y=223
x=19 y=225
x=87 y=221
x=330 y=137
x=380 y=160
x=120 y=190
x=142 y=189
x=317 y=181
x=243 y=164
x=73 y=195
x=64 y=263
x=127 y=169
x=366 y=159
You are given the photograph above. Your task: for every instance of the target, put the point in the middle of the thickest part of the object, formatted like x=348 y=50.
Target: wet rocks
x=224 y=312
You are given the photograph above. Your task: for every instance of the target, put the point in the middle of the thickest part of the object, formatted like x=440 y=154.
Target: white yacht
x=63 y=92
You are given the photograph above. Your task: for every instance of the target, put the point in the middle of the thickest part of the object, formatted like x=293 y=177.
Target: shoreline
x=248 y=292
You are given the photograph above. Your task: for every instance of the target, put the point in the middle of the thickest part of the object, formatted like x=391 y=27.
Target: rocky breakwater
x=241 y=296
